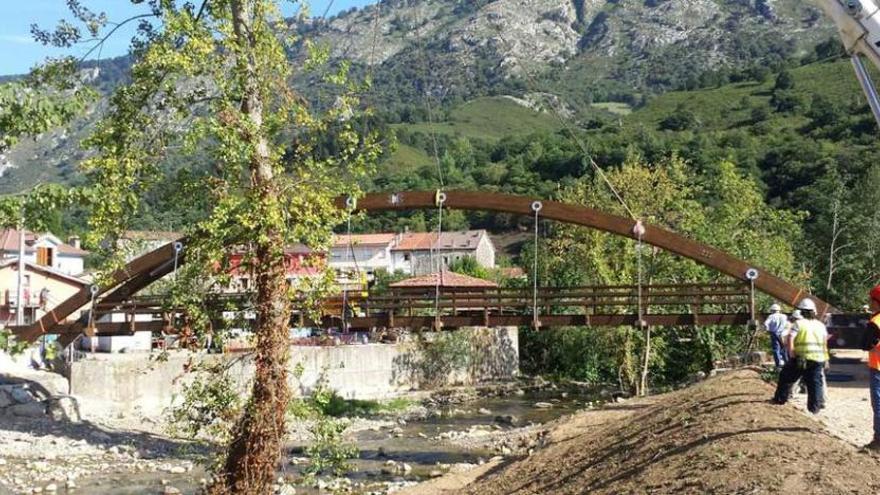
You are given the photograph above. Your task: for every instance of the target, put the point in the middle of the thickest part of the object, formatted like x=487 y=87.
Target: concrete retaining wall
x=132 y=382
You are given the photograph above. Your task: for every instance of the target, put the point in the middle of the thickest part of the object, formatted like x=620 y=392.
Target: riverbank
x=423 y=437
x=718 y=436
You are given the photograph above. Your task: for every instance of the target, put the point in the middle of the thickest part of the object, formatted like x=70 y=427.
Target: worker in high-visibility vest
x=807 y=345
x=871 y=343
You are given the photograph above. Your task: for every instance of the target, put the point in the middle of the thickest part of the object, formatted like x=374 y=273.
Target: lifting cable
x=350 y=255
x=90 y=328
x=639 y=232
x=439 y=200
x=536 y=322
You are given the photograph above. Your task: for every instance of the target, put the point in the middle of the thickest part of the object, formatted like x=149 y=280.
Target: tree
x=468 y=265
x=724 y=209
x=213 y=80
x=784 y=81
x=679 y=120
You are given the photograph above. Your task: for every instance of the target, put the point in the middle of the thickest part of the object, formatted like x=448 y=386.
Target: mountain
x=575 y=52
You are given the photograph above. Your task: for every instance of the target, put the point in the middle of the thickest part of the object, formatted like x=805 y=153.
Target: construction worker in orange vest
x=871 y=343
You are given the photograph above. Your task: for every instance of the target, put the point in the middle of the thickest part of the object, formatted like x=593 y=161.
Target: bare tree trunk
x=831 y=252
x=253 y=455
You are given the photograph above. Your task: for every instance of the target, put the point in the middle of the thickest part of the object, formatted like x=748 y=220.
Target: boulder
x=5 y=399
x=508 y=420
x=29 y=410
x=21 y=396
x=64 y=408
x=543 y=405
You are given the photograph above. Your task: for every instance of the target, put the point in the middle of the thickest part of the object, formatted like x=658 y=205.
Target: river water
x=415 y=443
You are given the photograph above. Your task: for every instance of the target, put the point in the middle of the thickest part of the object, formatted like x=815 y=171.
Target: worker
x=871 y=343
x=792 y=323
x=775 y=324
x=807 y=345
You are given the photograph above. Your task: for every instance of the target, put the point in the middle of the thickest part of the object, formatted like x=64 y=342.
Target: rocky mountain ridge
x=576 y=51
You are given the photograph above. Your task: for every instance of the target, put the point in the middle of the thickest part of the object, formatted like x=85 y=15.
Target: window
x=45 y=256
x=406 y=257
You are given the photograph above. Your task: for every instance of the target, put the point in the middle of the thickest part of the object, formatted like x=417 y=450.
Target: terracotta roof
x=364 y=240
x=9 y=243
x=447 y=279
x=415 y=241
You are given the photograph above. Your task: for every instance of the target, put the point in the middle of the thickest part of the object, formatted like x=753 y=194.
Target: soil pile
x=719 y=436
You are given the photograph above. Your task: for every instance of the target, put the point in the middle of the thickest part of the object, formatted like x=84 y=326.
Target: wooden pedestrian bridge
x=731 y=303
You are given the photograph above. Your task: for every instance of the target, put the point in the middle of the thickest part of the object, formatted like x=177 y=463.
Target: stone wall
x=107 y=383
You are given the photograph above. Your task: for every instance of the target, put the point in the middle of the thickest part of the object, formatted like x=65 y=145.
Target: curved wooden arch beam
x=135 y=275
x=152 y=266
x=589 y=217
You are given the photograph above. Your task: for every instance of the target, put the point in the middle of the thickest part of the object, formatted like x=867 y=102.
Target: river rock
x=27 y=410
x=390 y=467
x=100 y=436
x=435 y=473
x=21 y=395
x=5 y=399
x=177 y=470
x=51 y=488
x=405 y=468
x=508 y=420
x=484 y=411
x=170 y=490
x=543 y=405
x=64 y=408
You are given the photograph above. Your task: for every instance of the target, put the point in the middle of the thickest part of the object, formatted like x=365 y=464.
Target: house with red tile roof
x=43 y=289
x=420 y=253
x=44 y=250
x=356 y=258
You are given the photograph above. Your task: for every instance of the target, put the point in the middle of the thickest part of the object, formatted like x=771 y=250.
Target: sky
x=19 y=52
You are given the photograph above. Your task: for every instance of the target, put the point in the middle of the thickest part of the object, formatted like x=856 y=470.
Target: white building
x=44 y=250
x=355 y=259
x=419 y=253
x=414 y=253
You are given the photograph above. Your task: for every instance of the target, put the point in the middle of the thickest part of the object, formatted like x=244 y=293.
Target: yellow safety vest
x=809 y=342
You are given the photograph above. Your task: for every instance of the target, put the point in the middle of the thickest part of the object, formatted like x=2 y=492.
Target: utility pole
x=19 y=311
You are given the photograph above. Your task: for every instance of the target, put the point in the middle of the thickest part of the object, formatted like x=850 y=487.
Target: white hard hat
x=807 y=304
x=775 y=307
x=796 y=315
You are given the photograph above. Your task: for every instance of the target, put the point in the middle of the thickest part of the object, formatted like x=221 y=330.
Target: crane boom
x=858 y=23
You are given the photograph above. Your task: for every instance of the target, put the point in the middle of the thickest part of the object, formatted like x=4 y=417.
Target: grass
x=406 y=158
x=723 y=108
x=489 y=119
x=614 y=107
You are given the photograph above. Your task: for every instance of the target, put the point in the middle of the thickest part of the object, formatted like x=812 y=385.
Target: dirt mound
x=719 y=436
